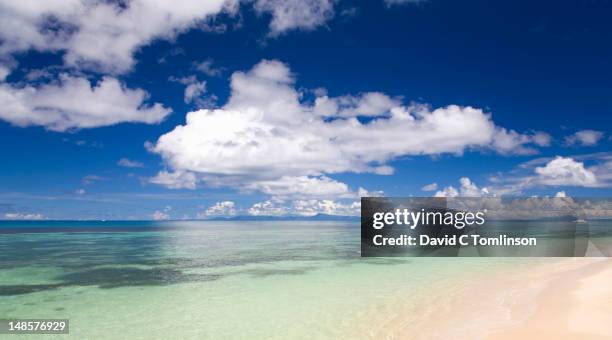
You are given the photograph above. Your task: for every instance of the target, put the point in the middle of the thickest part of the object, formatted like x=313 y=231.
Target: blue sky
x=316 y=103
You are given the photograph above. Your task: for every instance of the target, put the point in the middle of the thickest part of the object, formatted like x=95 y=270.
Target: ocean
x=230 y=280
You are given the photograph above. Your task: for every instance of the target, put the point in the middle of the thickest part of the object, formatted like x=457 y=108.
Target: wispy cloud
x=430 y=187
x=125 y=162
x=24 y=216
x=207 y=67
x=584 y=138
x=89 y=179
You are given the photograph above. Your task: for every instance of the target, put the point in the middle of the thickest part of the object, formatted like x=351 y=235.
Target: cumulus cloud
x=449 y=191
x=23 y=216
x=585 y=138
x=361 y=192
x=557 y=171
x=596 y=208
x=224 y=208
x=295 y=14
x=102 y=35
x=535 y=207
x=314 y=207
x=160 y=216
x=80 y=191
x=467 y=188
x=125 y=162
x=565 y=171
x=75 y=103
x=268 y=208
x=309 y=207
x=366 y=104
x=267 y=138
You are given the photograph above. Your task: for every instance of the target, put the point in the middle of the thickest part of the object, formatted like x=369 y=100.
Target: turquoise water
x=223 y=280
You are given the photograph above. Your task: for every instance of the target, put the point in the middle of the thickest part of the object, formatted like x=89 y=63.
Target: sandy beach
x=554 y=298
x=576 y=303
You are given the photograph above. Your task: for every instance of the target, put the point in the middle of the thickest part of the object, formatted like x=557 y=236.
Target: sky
x=197 y=109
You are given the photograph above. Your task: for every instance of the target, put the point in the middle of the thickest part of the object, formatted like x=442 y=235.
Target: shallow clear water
x=195 y=280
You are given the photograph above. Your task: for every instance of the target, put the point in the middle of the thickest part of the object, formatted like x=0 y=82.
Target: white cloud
x=295 y=14
x=535 y=207
x=23 y=217
x=309 y=207
x=102 y=35
x=160 y=216
x=194 y=89
x=80 y=191
x=75 y=103
x=288 y=186
x=542 y=139
x=557 y=171
x=597 y=208
x=129 y=163
x=314 y=207
x=268 y=208
x=266 y=138
x=4 y=72
x=466 y=189
x=449 y=191
x=585 y=138
x=565 y=171
x=361 y=192
x=207 y=68
x=42 y=74
x=224 y=208
x=175 y=180
x=430 y=187
x=366 y=104
x=512 y=142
